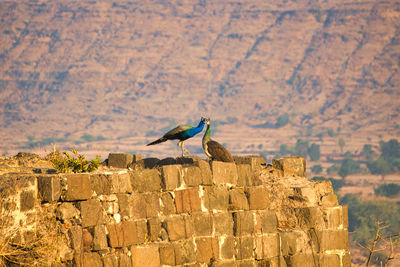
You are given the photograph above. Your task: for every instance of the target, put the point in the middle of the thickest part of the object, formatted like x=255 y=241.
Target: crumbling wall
x=190 y=212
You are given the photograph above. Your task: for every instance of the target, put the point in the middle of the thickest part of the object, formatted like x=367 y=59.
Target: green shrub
x=388 y=190
x=349 y=166
x=282 y=120
x=316 y=169
x=314 y=152
x=66 y=163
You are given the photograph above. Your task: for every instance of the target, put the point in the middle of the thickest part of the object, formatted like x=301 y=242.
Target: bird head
x=205 y=120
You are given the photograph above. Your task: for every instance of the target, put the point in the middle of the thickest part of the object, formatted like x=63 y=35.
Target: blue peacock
x=181 y=132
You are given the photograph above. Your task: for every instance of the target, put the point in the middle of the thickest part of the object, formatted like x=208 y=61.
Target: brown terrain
x=105 y=76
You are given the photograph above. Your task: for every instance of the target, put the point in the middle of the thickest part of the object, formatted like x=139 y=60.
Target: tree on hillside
x=341 y=144
x=349 y=166
x=314 y=152
x=301 y=147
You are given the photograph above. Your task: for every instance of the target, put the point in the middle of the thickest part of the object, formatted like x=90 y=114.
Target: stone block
x=330 y=260
x=259 y=198
x=247 y=263
x=237 y=199
x=330 y=239
x=154 y=227
x=110 y=208
x=152 y=204
x=131 y=206
x=167 y=254
x=150 y=163
x=105 y=184
x=255 y=162
x=245 y=175
x=243 y=223
x=307 y=195
x=78 y=187
x=175 y=226
x=192 y=176
x=224 y=263
x=75 y=235
x=49 y=188
x=100 y=237
x=323 y=187
x=206 y=174
x=227 y=245
x=91 y=212
x=329 y=200
x=87 y=259
x=167 y=204
x=87 y=240
x=124 y=260
x=126 y=233
x=110 y=260
x=120 y=160
x=66 y=211
x=187 y=200
x=223 y=223
x=291 y=165
x=170 y=175
x=203 y=224
x=216 y=198
x=27 y=200
x=293 y=242
x=266 y=222
x=270 y=245
x=145 y=180
x=145 y=255
x=184 y=252
x=207 y=249
x=346 y=262
x=335 y=217
x=244 y=247
x=310 y=217
x=224 y=172
x=304 y=260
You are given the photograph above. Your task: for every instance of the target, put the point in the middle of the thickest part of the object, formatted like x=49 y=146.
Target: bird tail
x=160 y=140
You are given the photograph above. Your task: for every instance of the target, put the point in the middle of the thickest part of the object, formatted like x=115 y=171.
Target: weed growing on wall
x=75 y=163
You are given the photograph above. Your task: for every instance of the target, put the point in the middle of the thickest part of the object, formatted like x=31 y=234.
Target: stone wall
x=189 y=212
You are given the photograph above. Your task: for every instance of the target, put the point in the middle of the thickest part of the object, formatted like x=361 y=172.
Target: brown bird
x=213 y=149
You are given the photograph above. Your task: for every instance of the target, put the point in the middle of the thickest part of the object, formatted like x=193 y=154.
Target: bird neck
x=206 y=136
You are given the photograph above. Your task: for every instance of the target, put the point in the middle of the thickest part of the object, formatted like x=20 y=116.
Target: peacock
x=181 y=132
x=213 y=149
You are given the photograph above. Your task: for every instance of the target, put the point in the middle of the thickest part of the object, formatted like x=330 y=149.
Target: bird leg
x=180 y=144
x=187 y=151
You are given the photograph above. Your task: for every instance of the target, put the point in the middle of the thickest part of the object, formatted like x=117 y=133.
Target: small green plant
x=388 y=190
x=75 y=163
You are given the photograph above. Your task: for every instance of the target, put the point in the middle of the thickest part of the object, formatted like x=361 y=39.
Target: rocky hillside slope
x=117 y=70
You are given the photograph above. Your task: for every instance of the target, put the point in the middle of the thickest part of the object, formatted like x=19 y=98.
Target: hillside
x=121 y=73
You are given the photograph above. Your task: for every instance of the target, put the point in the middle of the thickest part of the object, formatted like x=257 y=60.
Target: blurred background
x=313 y=78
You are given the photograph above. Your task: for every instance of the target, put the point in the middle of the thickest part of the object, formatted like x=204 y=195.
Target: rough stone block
x=306 y=260
x=255 y=162
x=145 y=255
x=171 y=176
x=207 y=249
x=75 y=235
x=270 y=245
x=175 y=226
x=126 y=233
x=267 y=221
x=330 y=260
x=203 y=224
x=291 y=165
x=224 y=263
x=184 y=252
x=216 y=198
x=154 y=227
x=105 y=184
x=78 y=187
x=87 y=240
x=243 y=223
x=244 y=247
x=120 y=160
x=49 y=188
x=245 y=175
x=27 y=200
x=66 y=211
x=346 y=262
x=223 y=223
x=224 y=172
x=131 y=206
x=192 y=176
x=293 y=242
x=167 y=254
x=100 y=237
x=306 y=194
x=258 y=197
x=152 y=206
x=91 y=212
x=124 y=260
x=310 y=217
x=237 y=199
x=228 y=247
x=187 y=200
x=87 y=259
x=323 y=187
x=330 y=200
x=331 y=239
x=206 y=174
x=110 y=260
x=146 y=180
x=335 y=217
x=167 y=204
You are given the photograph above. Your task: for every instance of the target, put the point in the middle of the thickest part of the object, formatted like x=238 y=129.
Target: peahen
x=213 y=149
x=181 y=132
